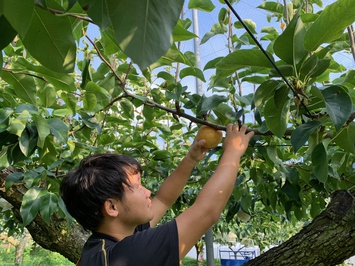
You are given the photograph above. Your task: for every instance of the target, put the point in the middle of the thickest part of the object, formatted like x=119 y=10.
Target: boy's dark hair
x=98 y=178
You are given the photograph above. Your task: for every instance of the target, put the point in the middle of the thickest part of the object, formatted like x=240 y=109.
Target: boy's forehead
x=134 y=177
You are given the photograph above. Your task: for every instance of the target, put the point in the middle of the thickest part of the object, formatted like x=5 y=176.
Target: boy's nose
x=148 y=192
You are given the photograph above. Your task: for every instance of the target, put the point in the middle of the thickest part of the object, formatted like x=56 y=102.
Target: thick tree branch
x=332 y=230
x=56 y=236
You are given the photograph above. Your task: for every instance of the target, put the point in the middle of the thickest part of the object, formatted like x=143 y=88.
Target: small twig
x=351 y=39
x=286 y=13
x=24 y=73
x=105 y=61
x=63 y=13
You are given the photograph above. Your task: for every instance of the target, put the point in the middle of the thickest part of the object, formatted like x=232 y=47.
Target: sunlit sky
x=217 y=45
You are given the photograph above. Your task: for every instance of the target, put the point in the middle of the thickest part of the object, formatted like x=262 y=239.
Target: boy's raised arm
x=206 y=210
x=175 y=183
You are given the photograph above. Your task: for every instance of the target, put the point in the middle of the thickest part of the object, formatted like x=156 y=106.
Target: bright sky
x=246 y=9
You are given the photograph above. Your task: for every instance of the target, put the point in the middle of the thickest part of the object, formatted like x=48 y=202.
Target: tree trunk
x=328 y=240
x=56 y=236
x=20 y=248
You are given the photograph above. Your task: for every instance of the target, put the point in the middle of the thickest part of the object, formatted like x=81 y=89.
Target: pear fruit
x=212 y=136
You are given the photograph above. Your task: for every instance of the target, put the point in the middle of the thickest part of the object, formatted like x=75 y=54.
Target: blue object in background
x=229 y=262
x=236 y=257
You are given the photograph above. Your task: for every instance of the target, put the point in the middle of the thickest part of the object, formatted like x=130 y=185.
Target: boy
x=105 y=196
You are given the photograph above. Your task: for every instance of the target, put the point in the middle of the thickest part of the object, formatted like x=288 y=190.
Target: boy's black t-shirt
x=146 y=247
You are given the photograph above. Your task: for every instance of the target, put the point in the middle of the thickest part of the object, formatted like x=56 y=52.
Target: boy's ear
x=111 y=208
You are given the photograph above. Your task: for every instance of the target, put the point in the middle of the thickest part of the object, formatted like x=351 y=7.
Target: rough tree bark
x=56 y=236
x=328 y=240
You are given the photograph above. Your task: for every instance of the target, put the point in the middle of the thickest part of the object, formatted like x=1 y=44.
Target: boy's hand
x=237 y=140
x=197 y=152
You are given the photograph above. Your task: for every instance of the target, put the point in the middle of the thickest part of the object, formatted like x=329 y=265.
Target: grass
x=38 y=257
x=192 y=262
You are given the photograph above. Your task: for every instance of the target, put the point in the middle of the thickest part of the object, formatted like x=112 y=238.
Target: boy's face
x=136 y=205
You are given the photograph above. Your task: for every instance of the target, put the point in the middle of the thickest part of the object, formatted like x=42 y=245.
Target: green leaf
x=90 y=101
x=301 y=134
x=108 y=41
x=98 y=12
x=58 y=128
x=309 y=66
x=12 y=179
x=48 y=206
x=277 y=111
x=71 y=3
x=264 y=92
x=5 y=114
x=245 y=202
x=127 y=107
x=202 y=5
x=70 y=101
x=85 y=72
x=244 y=58
x=42 y=128
x=31 y=178
x=222 y=112
x=212 y=64
x=251 y=25
x=172 y=55
x=339 y=105
x=1 y=60
x=24 y=143
x=143 y=30
x=346 y=138
x=272 y=7
x=47 y=96
x=19 y=14
x=18 y=124
x=182 y=34
x=28 y=140
x=317 y=205
x=320 y=163
x=63 y=208
x=289 y=45
x=4 y=159
x=192 y=71
x=216 y=29
x=50 y=40
x=30 y=205
x=211 y=103
x=24 y=86
x=330 y=25
x=100 y=93
x=42 y=3
x=60 y=81
x=222 y=15
x=7 y=33
x=161 y=155
x=286 y=70
x=291 y=190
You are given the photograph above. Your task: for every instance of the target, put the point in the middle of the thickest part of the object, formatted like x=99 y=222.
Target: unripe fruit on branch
x=212 y=136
